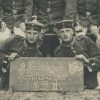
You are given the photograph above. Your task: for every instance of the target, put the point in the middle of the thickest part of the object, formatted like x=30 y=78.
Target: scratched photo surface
x=50 y=74
x=45 y=47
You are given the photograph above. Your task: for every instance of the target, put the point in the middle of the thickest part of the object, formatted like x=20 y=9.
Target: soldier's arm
x=94 y=53
x=58 y=52
x=1 y=8
x=11 y=45
x=35 y=7
x=4 y=49
x=28 y=5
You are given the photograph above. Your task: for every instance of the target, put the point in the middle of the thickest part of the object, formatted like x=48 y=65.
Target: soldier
x=83 y=12
x=15 y=12
x=81 y=47
x=88 y=12
x=48 y=12
x=18 y=46
x=93 y=32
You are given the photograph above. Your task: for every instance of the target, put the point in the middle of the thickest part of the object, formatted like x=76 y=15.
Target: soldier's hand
x=3 y=26
x=82 y=58
x=12 y=56
x=22 y=26
x=78 y=28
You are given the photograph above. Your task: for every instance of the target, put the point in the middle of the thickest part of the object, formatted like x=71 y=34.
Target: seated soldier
x=18 y=46
x=81 y=47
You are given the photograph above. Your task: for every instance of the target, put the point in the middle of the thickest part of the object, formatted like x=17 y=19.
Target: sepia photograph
x=49 y=50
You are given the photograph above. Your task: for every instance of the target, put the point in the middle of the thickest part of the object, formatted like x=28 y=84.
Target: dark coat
x=16 y=44
x=83 y=45
x=16 y=11
x=77 y=9
x=70 y=9
x=92 y=6
x=48 y=10
x=0 y=8
x=19 y=45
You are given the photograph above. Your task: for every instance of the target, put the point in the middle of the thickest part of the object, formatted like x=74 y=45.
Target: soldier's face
x=66 y=34
x=94 y=29
x=32 y=36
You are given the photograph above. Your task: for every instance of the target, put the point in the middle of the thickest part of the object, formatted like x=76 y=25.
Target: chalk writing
x=40 y=74
x=74 y=67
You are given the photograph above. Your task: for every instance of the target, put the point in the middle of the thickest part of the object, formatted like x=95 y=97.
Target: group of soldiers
x=51 y=28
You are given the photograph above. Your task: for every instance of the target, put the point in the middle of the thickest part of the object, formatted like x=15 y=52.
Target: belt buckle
x=88 y=13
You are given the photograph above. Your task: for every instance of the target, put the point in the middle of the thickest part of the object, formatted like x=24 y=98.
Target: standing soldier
x=89 y=14
x=15 y=12
x=84 y=12
x=48 y=12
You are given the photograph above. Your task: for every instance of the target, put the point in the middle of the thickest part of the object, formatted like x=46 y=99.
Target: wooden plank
x=46 y=74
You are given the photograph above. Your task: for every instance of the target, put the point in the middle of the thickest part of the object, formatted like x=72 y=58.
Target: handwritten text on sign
x=46 y=74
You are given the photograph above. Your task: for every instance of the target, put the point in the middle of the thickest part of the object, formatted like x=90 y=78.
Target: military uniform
x=16 y=11
x=83 y=11
x=19 y=45
x=83 y=45
x=70 y=9
x=88 y=11
x=0 y=8
x=49 y=11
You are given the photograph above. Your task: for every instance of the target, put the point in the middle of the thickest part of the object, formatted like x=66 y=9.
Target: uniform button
x=14 y=11
x=72 y=48
x=88 y=14
x=48 y=10
x=74 y=51
x=23 y=52
x=13 y=2
x=13 y=7
x=49 y=2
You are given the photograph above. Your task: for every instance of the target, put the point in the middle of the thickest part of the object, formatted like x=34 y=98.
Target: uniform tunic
x=49 y=11
x=83 y=45
x=16 y=11
x=16 y=44
x=83 y=11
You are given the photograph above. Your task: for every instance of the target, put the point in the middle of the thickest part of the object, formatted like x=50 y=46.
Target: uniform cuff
x=92 y=62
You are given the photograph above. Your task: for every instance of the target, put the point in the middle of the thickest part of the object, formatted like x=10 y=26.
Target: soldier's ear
x=39 y=41
x=55 y=30
x=41 y=36
x=60 y=41
x=42 y=31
